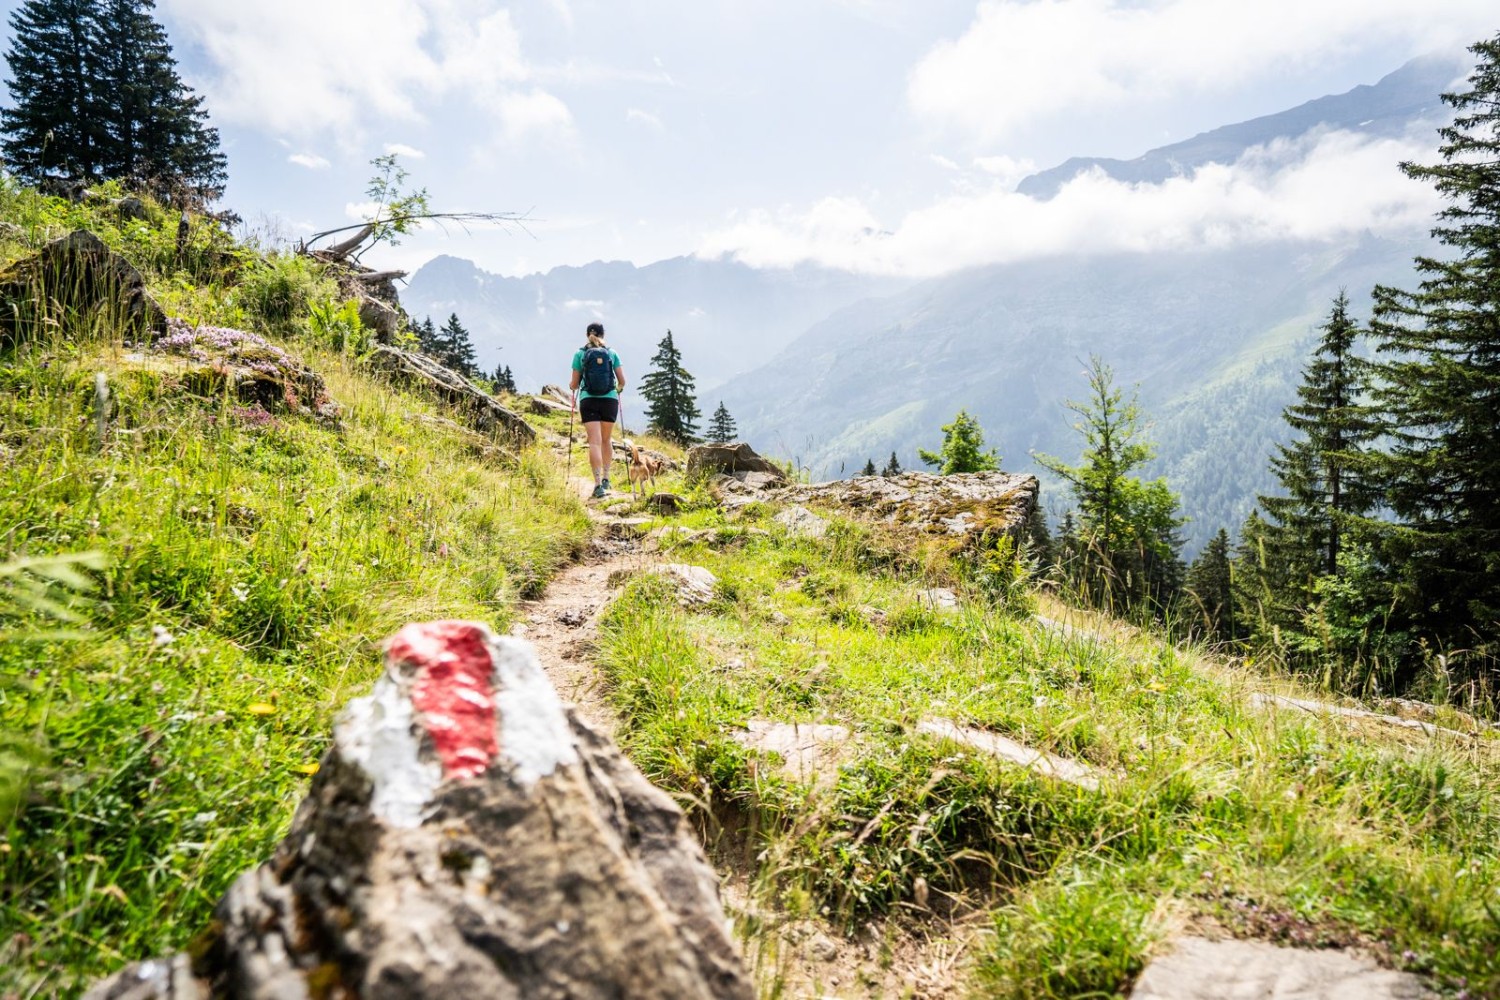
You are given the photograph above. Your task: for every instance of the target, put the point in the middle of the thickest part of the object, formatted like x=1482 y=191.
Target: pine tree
x=1210 y=591
x=1317 y=471
x=1127 y=542
x=97 y=94
x=721 y=427
x=55 y=126
x=892 y=467
x=1439 y=394
x=962 y=449
x=869 y=469
x=672 y=410
x=427 y=339
x=503 y=380
x=158 y=132
x=455 y=349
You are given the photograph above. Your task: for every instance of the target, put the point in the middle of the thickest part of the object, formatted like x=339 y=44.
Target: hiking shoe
x=599 y=492
x=605 y=484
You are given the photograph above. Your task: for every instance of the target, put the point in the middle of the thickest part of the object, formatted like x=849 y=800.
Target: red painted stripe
x=453 y=691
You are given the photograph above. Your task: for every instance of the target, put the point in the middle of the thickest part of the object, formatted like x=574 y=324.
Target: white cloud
x=534 y=111
x=646 y=118
x=309 y=160
x=303 y=68
x=942 y=161
x=361 y=211
x=401 y=149
x=1021 y=60
x=1321 y=187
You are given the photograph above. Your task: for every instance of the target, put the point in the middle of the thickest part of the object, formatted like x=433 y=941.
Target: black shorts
x=593 y=409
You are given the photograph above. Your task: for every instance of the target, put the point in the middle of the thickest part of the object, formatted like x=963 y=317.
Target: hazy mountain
x=1216 y=341
x=725 y=317
x=1386 y=108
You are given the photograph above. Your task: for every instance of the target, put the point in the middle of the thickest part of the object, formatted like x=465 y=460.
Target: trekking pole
x=568 y=469
x=623 y=432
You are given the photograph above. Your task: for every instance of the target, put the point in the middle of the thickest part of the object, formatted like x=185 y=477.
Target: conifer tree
x=671 y=409
x=1317 y=471
x=721 y=426
x=892 y=467
x=1210 y=591
x=54 y=127
x=1126 y=543
x=962 y=449
x=427 y=340
x=869 y=469
x=1439 y=393
x=503 y=380
x=97 y=94
x=455 y=349
x=158 y=134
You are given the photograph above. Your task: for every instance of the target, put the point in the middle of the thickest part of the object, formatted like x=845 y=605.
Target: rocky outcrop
x=729 y=459
x=476 y=406
x=466 y=836
x=259 y=373
x=965 y=506
x=71 y=283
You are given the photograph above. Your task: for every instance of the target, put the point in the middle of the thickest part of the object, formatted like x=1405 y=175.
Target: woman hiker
x=597 y=372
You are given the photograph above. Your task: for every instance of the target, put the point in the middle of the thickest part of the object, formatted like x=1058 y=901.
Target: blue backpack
x=598 y=371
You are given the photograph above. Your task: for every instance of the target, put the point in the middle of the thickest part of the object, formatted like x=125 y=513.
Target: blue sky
x=868 y=134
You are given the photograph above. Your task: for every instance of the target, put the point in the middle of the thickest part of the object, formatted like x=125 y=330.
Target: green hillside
x=236 y=564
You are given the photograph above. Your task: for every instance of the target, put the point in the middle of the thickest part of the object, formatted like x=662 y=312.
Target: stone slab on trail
x=1199 y=969
x=811 y=751
x=965 y=506
x=466 y=836
x=1274 y=701
x=448 y=387
x=1004 y=748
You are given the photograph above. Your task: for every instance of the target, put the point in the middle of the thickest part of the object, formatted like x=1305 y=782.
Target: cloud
x=1022 y=60
x=401 y=149
x=1323 y=186
x=309 y=160
x=302 y=69
x=646 y=118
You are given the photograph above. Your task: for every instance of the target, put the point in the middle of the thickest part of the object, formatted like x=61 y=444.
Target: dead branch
x=341 y=251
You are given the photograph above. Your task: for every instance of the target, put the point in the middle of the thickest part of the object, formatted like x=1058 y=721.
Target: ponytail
x=596 y=334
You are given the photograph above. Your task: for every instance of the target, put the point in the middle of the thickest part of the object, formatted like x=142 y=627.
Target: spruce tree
x=427 y=338
x=1317 y=471
x=1210 y=591
x=869 y=469
x=721 y=426
x=1439 y=394
x=158 y=134
x=1127 y=541
x=892 y=467
x=455 y=349
x=962 y=449
x=671 y=410
x=97 y=94
x=55 y=127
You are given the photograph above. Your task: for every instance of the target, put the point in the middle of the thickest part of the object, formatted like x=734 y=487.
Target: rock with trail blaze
x=70 y=282
x=466 y=836
x=705 y=459
x=965 y=506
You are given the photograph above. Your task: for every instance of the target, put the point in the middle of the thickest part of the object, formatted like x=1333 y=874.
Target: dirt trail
x=561 y=624
x=789 y=957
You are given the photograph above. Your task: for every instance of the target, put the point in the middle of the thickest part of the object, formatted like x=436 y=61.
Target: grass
x=1210 y=814
x=253 y=563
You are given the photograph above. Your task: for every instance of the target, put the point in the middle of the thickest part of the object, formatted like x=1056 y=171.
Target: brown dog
x=642 y=467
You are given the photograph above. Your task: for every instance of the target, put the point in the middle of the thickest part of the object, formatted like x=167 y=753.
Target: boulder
x=72 y=283
x=802 y=523
x=967 y=507
x=543 y=405
x=475 y=405
x=695 y=585
x=706 y=459
x=466 y=836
